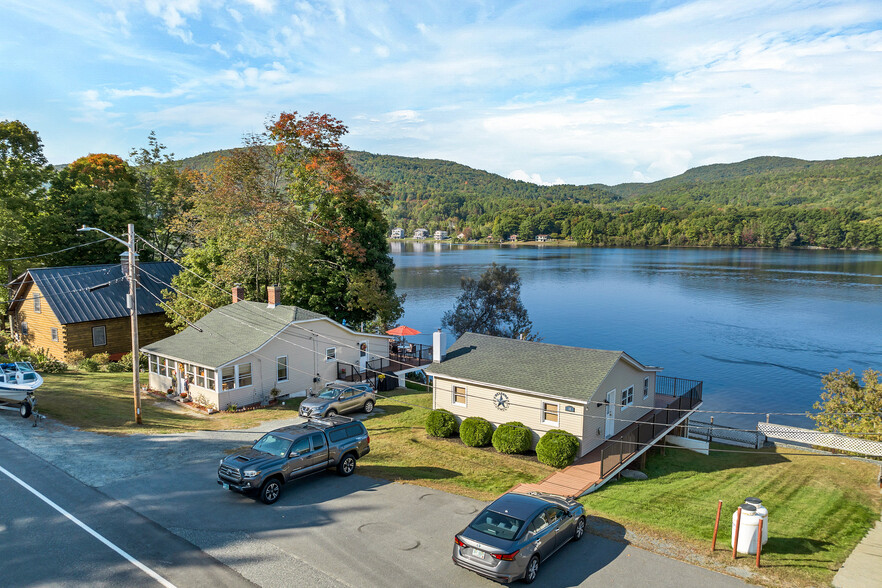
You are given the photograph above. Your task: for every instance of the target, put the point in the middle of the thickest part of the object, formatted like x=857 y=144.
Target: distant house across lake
x=542 y=238
x=398 y=233
x=440 y=235
x=421 y=233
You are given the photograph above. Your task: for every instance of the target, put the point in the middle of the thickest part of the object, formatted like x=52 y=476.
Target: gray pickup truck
x=292 y=452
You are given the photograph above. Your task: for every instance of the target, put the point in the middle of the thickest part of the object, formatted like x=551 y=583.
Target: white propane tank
x=748 y=530
x=763 y=513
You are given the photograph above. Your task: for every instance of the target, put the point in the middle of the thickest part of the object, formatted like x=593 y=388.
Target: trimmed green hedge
x=557 y=448
x=441 y=423
x=512 y=437
x=476 y=432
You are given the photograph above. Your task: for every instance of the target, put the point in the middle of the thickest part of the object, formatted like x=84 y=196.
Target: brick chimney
x=238 y=293
x=273 y=296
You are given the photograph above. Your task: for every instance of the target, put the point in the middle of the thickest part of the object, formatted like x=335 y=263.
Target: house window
x=54 y=333
x=37 y=303
x=99 y=336
x=228 y=377
x=627 y=397
x=330 y=354
x=282 y=368
x=210 y=377
x=645 y=387
x=24 y=329
x=244 y=376
x=152 y=367
x=551 y=413
x=459 y=395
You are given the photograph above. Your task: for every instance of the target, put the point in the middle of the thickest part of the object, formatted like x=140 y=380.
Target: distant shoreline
x=567 y=243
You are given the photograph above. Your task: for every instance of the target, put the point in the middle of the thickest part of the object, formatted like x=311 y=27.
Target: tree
x=491 y=305
x=847 y=405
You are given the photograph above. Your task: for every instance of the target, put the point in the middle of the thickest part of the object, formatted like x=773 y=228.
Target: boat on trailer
x=18 y=381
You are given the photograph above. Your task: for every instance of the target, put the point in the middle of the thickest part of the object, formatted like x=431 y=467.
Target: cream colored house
x=241 y=351
x=592 y=393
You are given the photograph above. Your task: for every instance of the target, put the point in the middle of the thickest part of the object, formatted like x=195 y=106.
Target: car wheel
x=270 y=491
x=331 y=412
x=25 y=410
x=532 y=570
x=346 y=465
x=580 y=529
x=369 y=406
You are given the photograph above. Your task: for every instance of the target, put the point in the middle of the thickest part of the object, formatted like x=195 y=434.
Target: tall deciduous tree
x=491 y=305
x=849 y=405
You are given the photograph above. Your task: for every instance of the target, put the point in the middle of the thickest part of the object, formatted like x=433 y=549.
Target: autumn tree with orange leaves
x=287 y=208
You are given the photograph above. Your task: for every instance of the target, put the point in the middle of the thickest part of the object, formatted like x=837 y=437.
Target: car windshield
x=329 y=393
x=497 y=524
x=273 y=445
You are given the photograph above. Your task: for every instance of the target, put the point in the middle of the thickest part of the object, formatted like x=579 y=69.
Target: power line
x=59 y=251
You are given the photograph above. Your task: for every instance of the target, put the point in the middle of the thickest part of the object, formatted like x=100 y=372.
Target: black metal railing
x=617 y=451
x=677 y=386
x=410 y=353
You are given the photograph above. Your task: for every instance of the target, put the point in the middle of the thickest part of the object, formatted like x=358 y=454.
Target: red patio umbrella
x=402 y=331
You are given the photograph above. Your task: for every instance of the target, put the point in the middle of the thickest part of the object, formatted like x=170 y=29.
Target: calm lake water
x=759 y=327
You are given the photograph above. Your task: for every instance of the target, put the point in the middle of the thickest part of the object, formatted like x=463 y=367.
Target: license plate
x=226 y=486
x=479 y=553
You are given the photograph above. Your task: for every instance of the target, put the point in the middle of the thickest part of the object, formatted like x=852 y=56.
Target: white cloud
x=264 y=6
x=216 y=47
x=523 y=176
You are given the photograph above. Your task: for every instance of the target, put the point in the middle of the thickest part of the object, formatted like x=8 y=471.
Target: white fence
x=821 y=439
x=703 y=431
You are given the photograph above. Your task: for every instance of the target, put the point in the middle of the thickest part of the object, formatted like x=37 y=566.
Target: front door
x=610 y=413
x=362 y=355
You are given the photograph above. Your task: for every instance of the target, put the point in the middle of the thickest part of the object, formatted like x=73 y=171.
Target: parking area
x=324 y=530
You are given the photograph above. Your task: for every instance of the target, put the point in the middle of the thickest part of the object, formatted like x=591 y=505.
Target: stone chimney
x=273 y=296
x=439 y=346
x=238 y=293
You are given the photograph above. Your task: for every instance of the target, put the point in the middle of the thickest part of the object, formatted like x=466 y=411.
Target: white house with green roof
x=238 y=353
x=592 y=393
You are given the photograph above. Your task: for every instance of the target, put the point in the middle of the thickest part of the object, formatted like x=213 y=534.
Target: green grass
x=819 y=507
x=103 y=403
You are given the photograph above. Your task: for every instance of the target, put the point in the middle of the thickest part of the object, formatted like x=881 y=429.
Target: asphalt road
x=324 y=530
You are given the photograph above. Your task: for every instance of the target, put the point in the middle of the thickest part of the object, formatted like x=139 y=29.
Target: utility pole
x=133 y=307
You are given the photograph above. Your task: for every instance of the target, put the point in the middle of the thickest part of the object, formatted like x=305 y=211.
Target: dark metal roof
x=66 y=290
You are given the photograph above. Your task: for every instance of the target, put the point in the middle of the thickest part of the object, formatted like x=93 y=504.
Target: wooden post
x=759 y=541
x=716 y=526
x=710 y=431
x=735 y=536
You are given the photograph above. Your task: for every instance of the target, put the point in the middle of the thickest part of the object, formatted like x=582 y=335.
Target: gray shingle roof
x=65 y=289
x=229 y=332
x=569 y=372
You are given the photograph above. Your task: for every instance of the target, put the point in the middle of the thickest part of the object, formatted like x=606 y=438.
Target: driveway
x=325 y=530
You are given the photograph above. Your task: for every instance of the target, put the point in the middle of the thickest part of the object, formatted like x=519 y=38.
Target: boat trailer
x=26 y=408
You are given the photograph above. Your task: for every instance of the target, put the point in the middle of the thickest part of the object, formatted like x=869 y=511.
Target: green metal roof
x=558 y=370
x=229 y=332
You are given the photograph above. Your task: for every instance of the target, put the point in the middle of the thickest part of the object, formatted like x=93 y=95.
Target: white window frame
x=627 y=397
x=330 y=354
x=646 y=387
x=546 y=410
x=237 y=376
x=278 y=366
x=465 y=395
x=103 y=330
x=53 y=333
x=37 y=307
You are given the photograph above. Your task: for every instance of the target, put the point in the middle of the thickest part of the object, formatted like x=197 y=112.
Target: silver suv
x=338 y=398
x=292 y=452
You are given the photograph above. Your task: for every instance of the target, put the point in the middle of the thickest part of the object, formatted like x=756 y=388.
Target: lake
x=759 y=327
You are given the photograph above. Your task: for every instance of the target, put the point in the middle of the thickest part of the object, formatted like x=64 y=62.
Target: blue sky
x=576 y=92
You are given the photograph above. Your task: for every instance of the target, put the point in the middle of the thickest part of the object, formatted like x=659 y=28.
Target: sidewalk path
x=863 y=568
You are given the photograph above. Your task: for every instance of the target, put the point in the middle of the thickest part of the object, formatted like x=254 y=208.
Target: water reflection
x=758 y=326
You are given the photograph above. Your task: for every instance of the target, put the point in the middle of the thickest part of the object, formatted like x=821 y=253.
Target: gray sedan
x=517 y=532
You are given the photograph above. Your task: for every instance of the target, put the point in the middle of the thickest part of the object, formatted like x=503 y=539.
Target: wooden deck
x=577 y=479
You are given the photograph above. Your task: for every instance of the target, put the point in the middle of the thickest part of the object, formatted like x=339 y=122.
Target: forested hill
x=764 y=201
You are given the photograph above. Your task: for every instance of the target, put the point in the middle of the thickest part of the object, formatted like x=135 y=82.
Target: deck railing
x=617 y=451
x=677 y=386
x=411 y=353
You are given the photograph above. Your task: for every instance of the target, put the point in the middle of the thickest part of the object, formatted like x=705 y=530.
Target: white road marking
x=89 y=530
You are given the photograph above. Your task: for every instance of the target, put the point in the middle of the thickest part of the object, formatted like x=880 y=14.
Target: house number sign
x=501 y=400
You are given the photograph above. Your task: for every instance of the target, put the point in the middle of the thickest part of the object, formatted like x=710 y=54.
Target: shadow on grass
x=796 y=546
x=676 y=463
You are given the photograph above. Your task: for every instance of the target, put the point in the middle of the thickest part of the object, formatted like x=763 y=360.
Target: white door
x=362 y=354
x=610 y=413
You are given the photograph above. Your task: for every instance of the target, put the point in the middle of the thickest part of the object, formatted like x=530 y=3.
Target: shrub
x=5 y=340
x=75 y=357
x=126 y=361
x=476 y=432
x=17 y=352
x=88 y=365
x=102 y=358
x=557 y=448
x=441 y=423
x=116 y=367
x=512 y=437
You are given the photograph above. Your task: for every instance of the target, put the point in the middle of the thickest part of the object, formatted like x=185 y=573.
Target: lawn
x=103 y=403
x=819 y=507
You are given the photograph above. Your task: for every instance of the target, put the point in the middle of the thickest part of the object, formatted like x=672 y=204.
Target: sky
x=579 y=92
